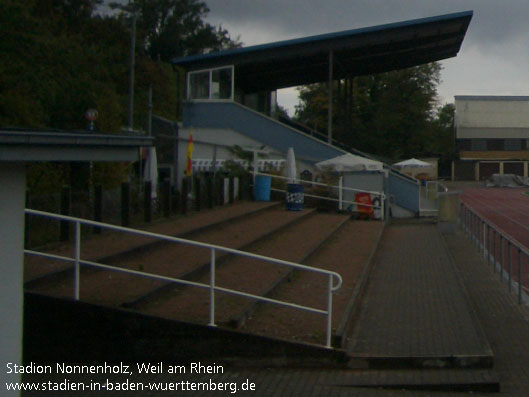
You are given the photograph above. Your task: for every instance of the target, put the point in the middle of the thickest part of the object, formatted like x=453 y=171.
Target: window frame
x=210 y=84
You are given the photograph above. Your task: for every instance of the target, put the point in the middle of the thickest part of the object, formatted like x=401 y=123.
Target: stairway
x=267 y=229
x=124 y=317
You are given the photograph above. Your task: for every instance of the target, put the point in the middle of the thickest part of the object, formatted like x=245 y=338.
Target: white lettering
x=199 y=368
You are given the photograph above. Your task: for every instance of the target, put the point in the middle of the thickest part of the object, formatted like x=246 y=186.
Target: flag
x=189 y=165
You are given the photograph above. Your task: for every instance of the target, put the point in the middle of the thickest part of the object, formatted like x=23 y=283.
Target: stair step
x=453 y=380
x=247 y=275
x=346 y=253
x=251 y=307
x=113 y=245
x=175 y=260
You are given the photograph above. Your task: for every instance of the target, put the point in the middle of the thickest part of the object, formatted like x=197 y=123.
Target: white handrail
x=381 y=194
x=332 y=287
x=331 y=199
x=340 y=188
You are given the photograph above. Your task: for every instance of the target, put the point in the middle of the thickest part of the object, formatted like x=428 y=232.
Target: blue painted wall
x=405 y=191
x=257 y=126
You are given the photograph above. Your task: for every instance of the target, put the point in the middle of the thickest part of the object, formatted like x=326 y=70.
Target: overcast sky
x=494 y=58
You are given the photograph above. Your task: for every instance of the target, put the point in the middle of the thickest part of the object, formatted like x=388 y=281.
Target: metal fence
x=335 y=193
x=212 y=287
x=508 y=257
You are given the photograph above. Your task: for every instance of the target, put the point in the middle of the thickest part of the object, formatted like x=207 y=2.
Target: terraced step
x=347 y=253
x=116 y=245
x=447 y=380
x=248 y=275
x=175 y=260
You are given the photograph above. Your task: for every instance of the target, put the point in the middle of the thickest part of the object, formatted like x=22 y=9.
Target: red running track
x=508 y=210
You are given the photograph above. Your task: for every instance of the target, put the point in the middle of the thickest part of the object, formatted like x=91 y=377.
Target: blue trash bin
x=261 y=188
x=294 y=197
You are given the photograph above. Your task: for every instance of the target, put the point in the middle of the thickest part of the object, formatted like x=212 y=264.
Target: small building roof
x=44 y=145
x=356 y=52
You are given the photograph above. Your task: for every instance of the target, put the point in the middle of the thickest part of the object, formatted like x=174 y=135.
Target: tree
x=168 y=29
x=388 y=114
x=61 y=58
x=441 y=141
x=313 y=106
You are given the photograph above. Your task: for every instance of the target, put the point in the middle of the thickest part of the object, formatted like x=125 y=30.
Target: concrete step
x=174 y=260
x=433 y=380
x=291 y=280
x=248 y=275
x=115 y=246
x=347 y=252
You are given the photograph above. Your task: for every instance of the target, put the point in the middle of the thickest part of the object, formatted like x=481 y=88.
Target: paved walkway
x=415 y=307
x=506 y=324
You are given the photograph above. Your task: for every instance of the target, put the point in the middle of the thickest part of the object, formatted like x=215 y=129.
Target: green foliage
x=441 y=137
x=43 y=178
x=390 y=114
x=240 y=153
x=109 y=175
x=313 y=107
x=60 y=58
x=173 y=28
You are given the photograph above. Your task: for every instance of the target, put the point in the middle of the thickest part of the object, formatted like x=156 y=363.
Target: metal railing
x=331 y=288
x=429 y=196
x=498 y=249
x=340 y=190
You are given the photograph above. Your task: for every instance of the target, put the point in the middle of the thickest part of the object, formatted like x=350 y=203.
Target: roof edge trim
x=322 y=37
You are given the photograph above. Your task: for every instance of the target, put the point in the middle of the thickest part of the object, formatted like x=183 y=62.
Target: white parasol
x=412 y=163
x=291 y=166
x=151 y=170
x=350 y=162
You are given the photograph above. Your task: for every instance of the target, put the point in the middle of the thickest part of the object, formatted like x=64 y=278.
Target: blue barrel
x=294 y=197
x=261 y=188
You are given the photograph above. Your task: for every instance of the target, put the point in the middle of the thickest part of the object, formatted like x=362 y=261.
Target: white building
x=492 y=136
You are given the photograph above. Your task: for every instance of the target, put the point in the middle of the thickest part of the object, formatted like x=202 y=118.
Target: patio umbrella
x=151 y=171
x=350 y=162
x=412 y=163
x=291 y=166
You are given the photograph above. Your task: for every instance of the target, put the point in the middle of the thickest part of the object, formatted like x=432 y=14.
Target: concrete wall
x=208 y=140
x=370 y=181
x=405 y=192
x=12 y=199
x=256 y=126
x=62 y=330
x=492 y=112
x=491 y=133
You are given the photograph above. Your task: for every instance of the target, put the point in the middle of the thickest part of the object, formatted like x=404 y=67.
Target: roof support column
x=329 y=115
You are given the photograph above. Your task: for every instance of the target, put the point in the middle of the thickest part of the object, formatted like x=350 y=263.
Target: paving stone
x=505 y=322
x=414 y=306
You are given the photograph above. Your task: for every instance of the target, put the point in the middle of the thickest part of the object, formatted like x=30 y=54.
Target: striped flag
x=189 y=165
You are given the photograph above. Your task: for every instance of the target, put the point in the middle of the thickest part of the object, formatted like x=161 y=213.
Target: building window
x=221 y=83
x=495 y=144
x=211 y=84
x=464 y=144
x=478 y=145
x=513 y=144
x=199 y=85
